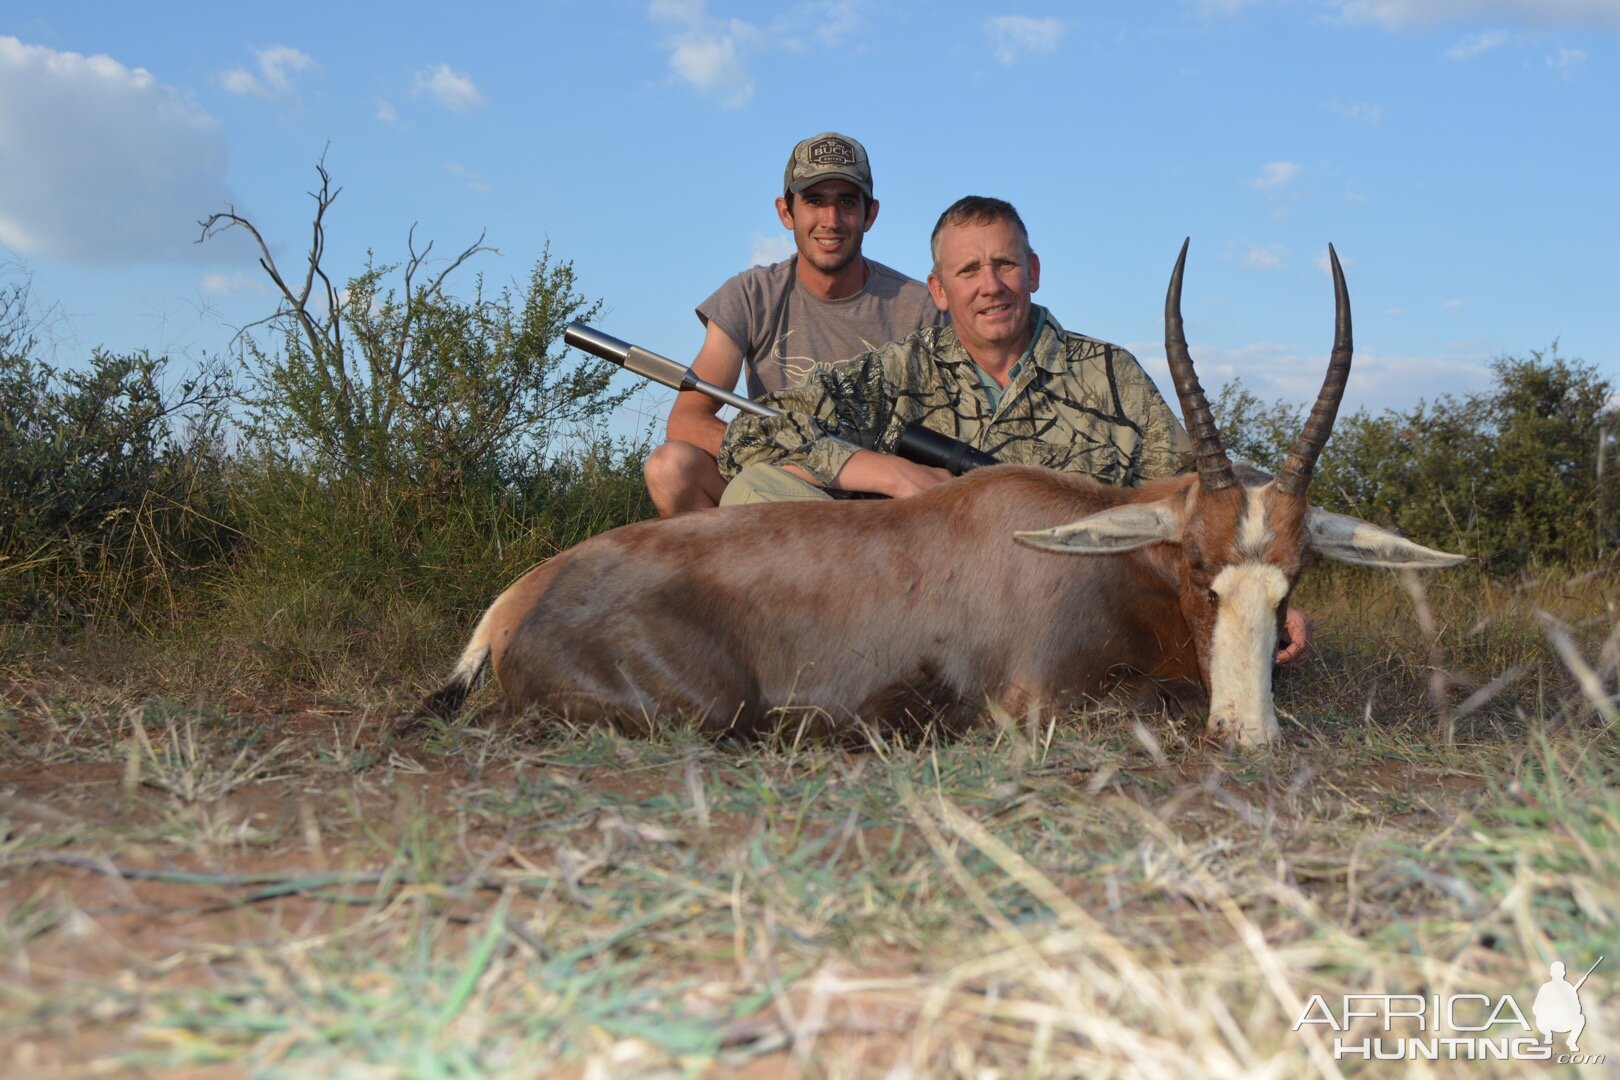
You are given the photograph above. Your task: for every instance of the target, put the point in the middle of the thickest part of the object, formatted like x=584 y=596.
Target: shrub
x=1510 y=475
x=409 y=390
x=110 y=487
x=409 y=451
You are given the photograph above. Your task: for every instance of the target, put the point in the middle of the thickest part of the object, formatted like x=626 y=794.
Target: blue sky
x=1461 y=155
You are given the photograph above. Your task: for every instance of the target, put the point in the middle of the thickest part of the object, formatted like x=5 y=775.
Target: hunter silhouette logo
x=1558 y=1005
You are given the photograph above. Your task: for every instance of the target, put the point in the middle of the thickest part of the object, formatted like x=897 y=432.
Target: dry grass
x=271 y=887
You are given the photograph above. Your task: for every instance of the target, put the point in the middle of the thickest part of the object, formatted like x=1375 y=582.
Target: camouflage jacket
x=1076 y=404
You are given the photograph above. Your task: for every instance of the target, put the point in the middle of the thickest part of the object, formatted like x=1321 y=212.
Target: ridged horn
x=1214 y=467
x=1295 y=476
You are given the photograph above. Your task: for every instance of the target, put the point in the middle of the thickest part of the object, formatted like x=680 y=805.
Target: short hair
x=866 y=200
x=976 y=210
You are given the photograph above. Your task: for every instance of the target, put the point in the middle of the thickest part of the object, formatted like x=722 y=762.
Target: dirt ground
x=252 y=889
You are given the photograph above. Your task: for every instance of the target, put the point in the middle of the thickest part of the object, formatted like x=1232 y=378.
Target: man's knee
x=675 y=463
x=682 y=477
x=767 y=483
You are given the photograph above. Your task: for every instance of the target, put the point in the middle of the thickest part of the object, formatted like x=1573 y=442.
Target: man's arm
x=692 y=419
x=829 y=429
x=879 y=474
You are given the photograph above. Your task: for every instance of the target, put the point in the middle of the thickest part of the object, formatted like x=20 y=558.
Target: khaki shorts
x=767 y=483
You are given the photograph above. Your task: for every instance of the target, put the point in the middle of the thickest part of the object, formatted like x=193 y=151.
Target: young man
x=779 y=323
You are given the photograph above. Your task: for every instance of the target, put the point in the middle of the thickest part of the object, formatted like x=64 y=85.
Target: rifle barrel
x=917 y=443
x=650 y=365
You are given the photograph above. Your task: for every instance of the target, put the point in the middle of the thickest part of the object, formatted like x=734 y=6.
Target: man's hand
x=885 y=474
x=1297 y=632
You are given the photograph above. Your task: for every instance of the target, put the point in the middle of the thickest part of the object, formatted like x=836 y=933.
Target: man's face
x=828 y=221
x=984 y=278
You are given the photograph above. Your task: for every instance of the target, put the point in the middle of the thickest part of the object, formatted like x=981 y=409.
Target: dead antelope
x=884 y=611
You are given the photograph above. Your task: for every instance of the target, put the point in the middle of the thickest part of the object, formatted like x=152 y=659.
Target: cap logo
x=832 y=152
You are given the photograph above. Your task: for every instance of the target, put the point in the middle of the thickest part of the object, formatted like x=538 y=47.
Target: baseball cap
x=828 y=156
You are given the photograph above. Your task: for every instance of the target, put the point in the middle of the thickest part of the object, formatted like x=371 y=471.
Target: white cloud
x=278 y=62
x=277 y=66
x=226 y=284
x=764 y=250
x=475 y=184
x=1359 y=113
x=1400 y=14
x=1326 y=266
x=690 y=12
x=239 y=81
x=713 y=55
x=1274 y=371
x=387 y=114
x=1567 y=62
x=707 y=52
x=450 y=88
x=1381 y=381
x=1275 y=175
x=711 y=63
x=119 y=167
x=1454 y=305
x=1015 y=36
x=1264 y=258
x=836 y=20
x=1224 y=8
x=1476 y=45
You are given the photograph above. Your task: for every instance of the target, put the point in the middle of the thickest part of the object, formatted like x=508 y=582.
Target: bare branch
x=399 y=366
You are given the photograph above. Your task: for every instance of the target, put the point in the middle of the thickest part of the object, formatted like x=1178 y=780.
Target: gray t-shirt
x=785 y=332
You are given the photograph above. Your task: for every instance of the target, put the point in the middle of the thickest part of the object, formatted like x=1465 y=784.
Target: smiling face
x=828 y=221
x=984 y=275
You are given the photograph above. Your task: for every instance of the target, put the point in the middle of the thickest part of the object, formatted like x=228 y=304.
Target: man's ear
x=1034 y=271
x=783 y=212
x=937 y=291
x=871 y=214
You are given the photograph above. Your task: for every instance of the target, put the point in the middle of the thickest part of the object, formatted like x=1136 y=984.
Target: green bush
x=111 y=487
x=1509 y=475
x=425 y=392
x=408 y=452
x=409 y=391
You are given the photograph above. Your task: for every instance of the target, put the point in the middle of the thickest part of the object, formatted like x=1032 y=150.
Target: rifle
x=917 y=443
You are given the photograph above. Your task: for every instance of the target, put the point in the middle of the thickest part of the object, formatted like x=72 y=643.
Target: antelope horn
x=1214 y=467
x=1296 y=471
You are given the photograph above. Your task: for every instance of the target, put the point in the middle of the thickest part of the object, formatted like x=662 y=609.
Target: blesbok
x=925 y=608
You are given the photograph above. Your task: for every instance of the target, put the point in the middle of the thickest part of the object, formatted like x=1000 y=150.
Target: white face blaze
x=1253 y=532
x=1241 y=652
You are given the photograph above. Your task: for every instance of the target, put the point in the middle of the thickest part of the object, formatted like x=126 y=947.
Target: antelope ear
x=1124 y=528
x=1361 y=543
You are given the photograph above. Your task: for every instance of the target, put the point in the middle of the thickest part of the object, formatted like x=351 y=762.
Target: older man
x=1003 y=377
x=825 y=303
